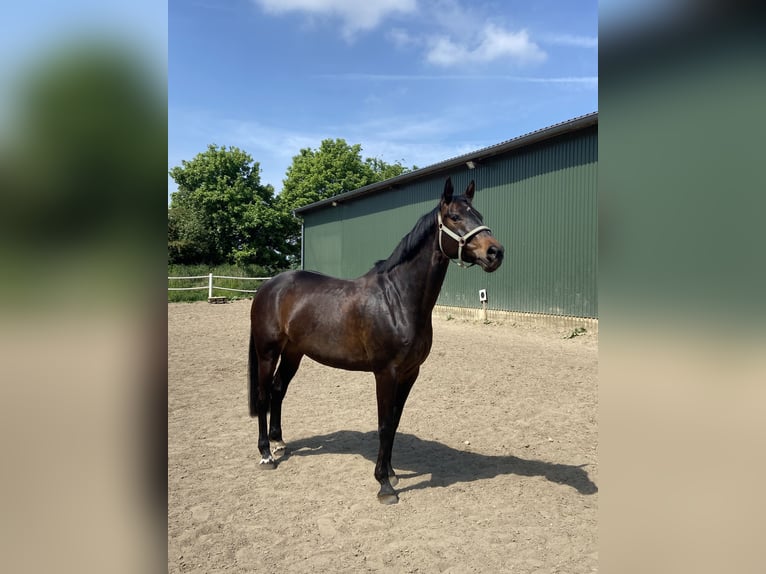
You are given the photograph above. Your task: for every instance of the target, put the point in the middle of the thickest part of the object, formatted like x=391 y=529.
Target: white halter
x=461 y=240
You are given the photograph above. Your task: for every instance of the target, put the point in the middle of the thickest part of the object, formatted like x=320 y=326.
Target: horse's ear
x=448 y=191
x=470 y=190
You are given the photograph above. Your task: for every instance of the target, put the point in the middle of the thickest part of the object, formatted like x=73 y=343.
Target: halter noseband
x=461 y=240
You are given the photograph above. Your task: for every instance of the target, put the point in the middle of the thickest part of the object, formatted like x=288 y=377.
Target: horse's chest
x=415 y=348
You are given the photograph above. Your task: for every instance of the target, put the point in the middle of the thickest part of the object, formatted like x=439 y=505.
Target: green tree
x=222 y=213
x=188 y=239
x=383 y=170
x=318 y=174
x=334 y=168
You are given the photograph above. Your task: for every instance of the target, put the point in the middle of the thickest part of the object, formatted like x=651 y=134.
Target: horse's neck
x=420 y=279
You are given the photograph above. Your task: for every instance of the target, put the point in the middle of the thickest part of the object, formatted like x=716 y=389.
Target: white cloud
x=401 y=38
x=588 y=81
x=357 y=15
x=572 y=40
x=495 y=44
x=402 y=128
x=354 y=76
x=455 y=17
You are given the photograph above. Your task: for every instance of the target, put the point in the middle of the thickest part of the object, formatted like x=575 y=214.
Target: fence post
x=210 y=286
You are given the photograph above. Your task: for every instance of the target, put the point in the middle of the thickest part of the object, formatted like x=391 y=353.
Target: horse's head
x=462 y=233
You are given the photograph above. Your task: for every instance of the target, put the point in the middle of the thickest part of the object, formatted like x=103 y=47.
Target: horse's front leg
x=385 y=387
x=402 y=392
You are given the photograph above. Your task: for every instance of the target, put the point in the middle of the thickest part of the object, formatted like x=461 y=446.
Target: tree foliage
x=188 y=239
x=222 y=213
x=383 y=170
x=334 y=168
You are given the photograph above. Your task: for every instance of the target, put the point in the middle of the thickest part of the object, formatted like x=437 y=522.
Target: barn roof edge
x=561 y=128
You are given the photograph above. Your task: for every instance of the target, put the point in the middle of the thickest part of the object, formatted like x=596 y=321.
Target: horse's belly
x=360 y=357
x=336 y=350
x=357 y=339
x=347 y=363
x=351 y=359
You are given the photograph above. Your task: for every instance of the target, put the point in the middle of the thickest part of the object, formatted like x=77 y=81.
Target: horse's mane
x=410 y=243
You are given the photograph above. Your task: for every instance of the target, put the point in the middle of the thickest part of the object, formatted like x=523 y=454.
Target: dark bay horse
x=380 y=322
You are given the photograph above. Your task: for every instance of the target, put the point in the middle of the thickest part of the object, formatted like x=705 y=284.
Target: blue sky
x=416 y=81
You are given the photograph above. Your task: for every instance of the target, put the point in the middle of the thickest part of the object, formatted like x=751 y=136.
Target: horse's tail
x=252 y=375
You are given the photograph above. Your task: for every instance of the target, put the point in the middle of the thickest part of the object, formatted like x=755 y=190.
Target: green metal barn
x=537 y=192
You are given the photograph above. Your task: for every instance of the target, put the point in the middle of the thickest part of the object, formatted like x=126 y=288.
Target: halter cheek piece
x=461 y=240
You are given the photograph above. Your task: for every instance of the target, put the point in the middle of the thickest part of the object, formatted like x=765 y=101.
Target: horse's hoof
x=388 y=498
x=267 y=464
x=278 y=448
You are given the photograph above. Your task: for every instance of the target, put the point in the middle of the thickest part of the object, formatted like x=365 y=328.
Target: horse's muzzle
x=493 y=258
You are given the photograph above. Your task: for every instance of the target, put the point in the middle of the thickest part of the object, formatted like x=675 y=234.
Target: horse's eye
x=454 y=217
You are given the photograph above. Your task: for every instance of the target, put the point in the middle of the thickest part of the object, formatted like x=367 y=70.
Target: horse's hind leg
x=288 y=366
x=267 y=362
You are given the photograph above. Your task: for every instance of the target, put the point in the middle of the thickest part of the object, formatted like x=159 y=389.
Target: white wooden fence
x=210 y=285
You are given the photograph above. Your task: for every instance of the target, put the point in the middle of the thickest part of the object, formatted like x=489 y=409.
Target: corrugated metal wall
x=540 y=201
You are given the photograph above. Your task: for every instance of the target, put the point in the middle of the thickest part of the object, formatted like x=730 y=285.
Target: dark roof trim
x=555 y=130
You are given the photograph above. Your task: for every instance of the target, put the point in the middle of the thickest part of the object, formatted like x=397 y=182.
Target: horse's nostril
x=495 y=252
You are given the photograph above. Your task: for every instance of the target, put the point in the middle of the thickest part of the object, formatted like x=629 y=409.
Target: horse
x=379 y=322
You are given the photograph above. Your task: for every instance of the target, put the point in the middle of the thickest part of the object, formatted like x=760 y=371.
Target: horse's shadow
x=418 y=457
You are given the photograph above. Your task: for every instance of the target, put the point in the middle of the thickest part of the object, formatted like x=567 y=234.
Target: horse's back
x=299 y=297
x=293 y=285
x=280 y=291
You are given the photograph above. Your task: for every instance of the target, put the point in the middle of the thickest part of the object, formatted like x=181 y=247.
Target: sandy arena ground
x=496 y=455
